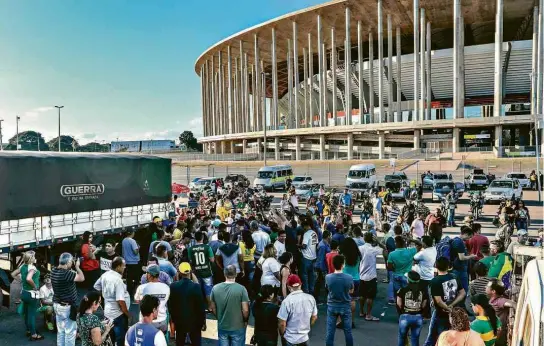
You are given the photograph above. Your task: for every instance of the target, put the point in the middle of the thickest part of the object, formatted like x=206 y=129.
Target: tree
x=94 y=147
x=67 y=143
x=28 y=140
x=188 y=139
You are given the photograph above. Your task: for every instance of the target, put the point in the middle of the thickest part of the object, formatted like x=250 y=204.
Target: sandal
x=37 y=337
x=372 y=319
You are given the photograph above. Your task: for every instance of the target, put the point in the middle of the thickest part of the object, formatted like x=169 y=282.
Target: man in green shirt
x=400 y=263
x=201 y=257
x=230 y=304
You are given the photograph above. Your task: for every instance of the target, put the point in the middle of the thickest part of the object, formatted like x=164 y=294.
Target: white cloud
x=35 y=112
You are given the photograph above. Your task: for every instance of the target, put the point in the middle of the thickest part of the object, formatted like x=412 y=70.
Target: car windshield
x=440 y=176
x=358 y=185
x=305 y=187
x=401 y=175
x=503 y=184
x=195 y=180
x=299 y=179
x=264 y=174
x=203 y=181
x=392 y=178
x=442 y=186
x=231 y=178
x=479 y=177
x=517 y=176
x=357 y=174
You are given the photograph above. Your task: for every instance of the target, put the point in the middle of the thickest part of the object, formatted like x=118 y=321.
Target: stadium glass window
x=473 y=112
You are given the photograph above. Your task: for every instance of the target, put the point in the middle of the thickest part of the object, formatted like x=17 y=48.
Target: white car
x=521 y=177
x=305 y=191
x=301 y=179
x=474 y=181
x=193 y=183
x=503 y=189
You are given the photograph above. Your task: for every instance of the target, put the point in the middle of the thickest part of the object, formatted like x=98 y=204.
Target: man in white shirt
x=260 y=237
x=418 y=227
x=157 y=289
x=116 y=298
x=368 y=287
x=298 y=312
x=46 y=296
x=279 y=244
x=425 y=260
x=309 y=255
x=293 y=199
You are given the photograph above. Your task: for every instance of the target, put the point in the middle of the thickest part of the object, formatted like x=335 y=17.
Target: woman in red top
x=89 y=264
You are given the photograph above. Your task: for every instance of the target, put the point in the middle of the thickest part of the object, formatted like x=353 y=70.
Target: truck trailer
x=50 y=199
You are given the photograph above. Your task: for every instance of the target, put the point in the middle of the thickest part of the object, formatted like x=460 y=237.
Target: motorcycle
x=476 y=205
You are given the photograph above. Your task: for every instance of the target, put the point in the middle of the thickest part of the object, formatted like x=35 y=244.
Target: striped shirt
x=482 y=326
x=64 y=286
x=478 y=285
x=392 y=215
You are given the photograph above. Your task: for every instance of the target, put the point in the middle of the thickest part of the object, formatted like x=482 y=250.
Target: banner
x=42 y=184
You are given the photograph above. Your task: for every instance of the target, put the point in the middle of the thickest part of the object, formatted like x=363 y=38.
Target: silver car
x=500 y=189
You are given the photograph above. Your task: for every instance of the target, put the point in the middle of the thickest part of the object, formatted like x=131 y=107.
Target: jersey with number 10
x=199 y=255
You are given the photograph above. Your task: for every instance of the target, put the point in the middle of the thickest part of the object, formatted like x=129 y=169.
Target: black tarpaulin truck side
x=39 y=184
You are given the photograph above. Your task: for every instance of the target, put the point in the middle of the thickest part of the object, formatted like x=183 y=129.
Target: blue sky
x=121 y=68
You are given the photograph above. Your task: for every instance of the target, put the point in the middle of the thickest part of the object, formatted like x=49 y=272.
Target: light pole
x=17 y=118
x=537 y=151
x=1 y=143
x=59 y=108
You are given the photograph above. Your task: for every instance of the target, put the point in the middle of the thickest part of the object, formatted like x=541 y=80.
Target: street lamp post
x=1 y=142
x=17 y=118
x=59 y=108
x=537 y=151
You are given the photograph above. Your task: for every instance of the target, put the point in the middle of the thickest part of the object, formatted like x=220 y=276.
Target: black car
x=236 y=178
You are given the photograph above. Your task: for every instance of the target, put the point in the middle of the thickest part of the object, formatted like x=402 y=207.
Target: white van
x=362 y=174
x=273 y=177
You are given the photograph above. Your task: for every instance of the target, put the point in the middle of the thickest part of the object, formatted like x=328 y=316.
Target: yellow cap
x=184 y=268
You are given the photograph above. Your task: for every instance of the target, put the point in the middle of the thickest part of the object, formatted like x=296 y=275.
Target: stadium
x=376 y=79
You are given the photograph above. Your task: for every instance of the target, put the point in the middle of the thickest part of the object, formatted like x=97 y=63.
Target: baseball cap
x=184 y=268
x=522 y=232
x=216 y=223
x=153 y=270
x=293 y=280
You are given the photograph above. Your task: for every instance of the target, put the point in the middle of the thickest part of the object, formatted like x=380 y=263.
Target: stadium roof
x=479 y=19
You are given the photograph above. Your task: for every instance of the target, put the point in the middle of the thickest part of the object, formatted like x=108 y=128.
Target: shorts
x=355 y=294
x=368 y=289
x=206 y=284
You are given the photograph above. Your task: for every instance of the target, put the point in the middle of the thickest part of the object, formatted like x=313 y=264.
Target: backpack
x=443 y=248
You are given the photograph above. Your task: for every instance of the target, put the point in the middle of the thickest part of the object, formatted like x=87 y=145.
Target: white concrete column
x=244 y=146
x=360 y=61
x=322 y=147
x=371 y=78
x=232 y=147
x=417 y=136
x=455 y=140
x=309 y=82
x=381 y=144
x=399 y=76
x=540 y=60
x=423 y=80
x=428 y=75
x=277 y=148
x=497 y=105
x=416 y=60
x=390 y=97
x=305 y=86
x=275 y=112
x=347 y=61
x=350 y=146
x=297 y=148
x=259 y=144
x=289 y=119
x=498 y=140
x=333 y=70
x=335 y=155
x=229 y=100
x=321 y=70
x=256 y=91
x=534 y=64
x=295 y=74
x=223 y=146
x=380 y=62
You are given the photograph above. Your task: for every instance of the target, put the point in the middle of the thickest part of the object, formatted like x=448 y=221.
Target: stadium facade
x=378 y=77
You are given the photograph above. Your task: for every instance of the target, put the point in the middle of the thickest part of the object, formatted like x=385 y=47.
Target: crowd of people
x=231 y=259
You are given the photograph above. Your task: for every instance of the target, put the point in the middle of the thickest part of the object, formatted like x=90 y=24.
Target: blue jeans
x=521 y=224
x=66 y=328
x=30 y=305
x=451 y=217
x=390 y=291
x=436 y=327
x=364 y=217
x=308 y=275
x=412 y=322
x=463 y=277
x=232 y=338
x=399 y=281
x=120 y=329
x=345 y=316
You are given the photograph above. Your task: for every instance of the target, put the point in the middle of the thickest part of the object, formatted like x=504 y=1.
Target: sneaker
x=50 y=326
